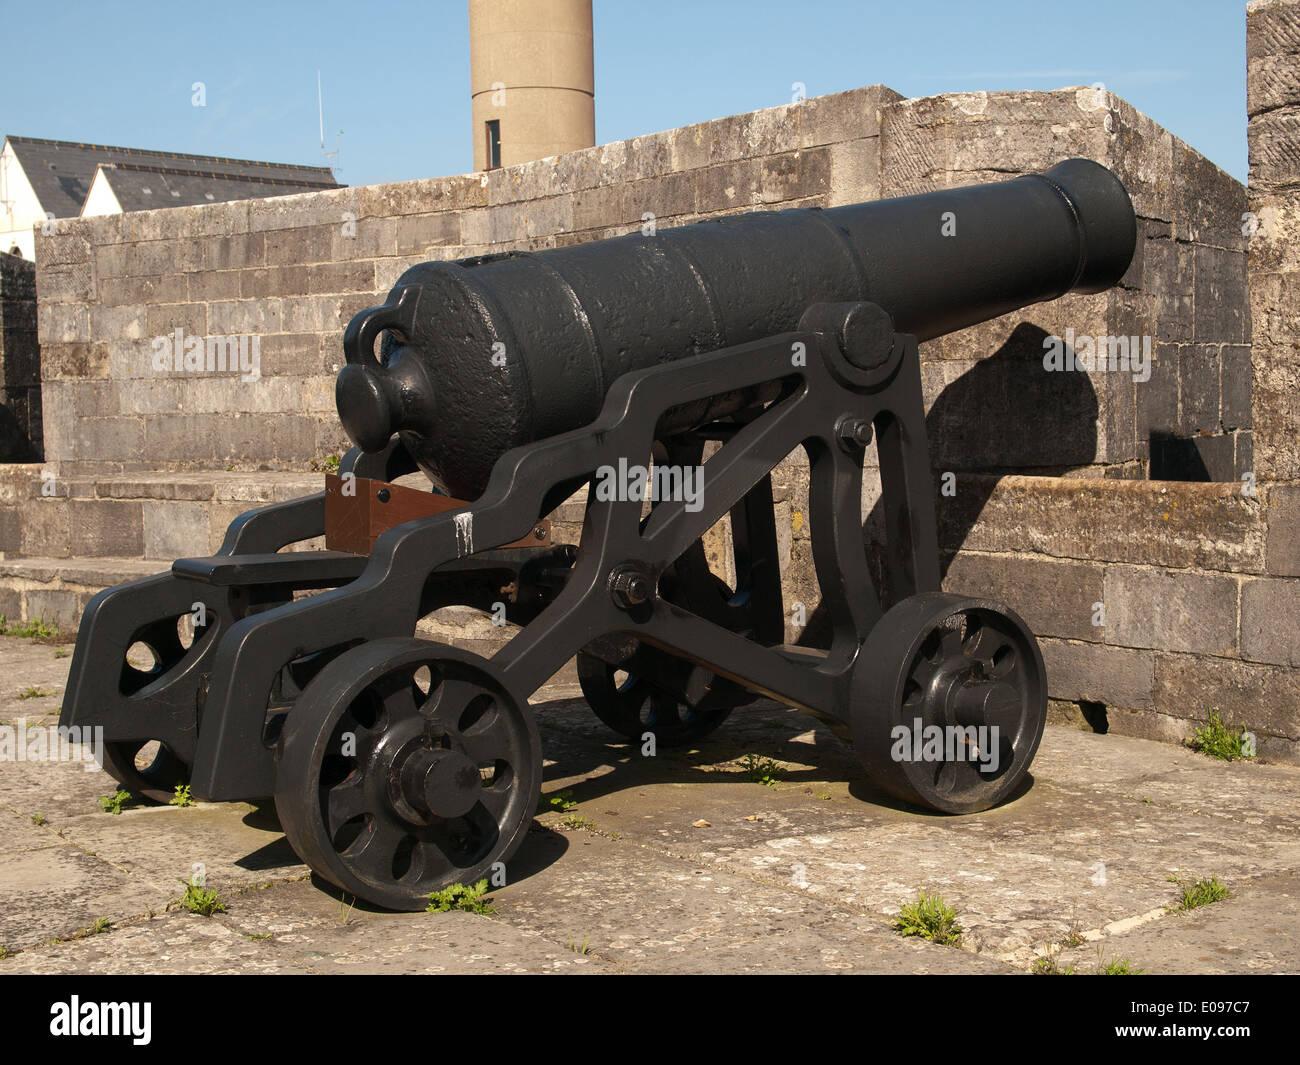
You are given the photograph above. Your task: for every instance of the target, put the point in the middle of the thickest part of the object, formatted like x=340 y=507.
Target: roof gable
x=61 y=172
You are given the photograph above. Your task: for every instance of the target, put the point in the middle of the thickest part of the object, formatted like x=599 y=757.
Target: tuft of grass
x=1074 y=934
x=37 y=628
x=39 y=819
x=33 y=692
x=258 y=936
x=4 y=951
x=61 y=652
x=1121 y=967
x=1199 y=892
x=1217 y=740
x=579 y=948
x=930 y=918
x=561 y=800
x=181 y=796
x=102 y=924
x=761 y=770
x=201 y=900
x=460 y=897
x=1049 y=965
x=328 y=464
x=345 y=910
x=112 y=804
x=574 y=821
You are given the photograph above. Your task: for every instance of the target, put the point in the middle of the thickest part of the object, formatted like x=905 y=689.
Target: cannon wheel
x=631 y=707
x=949 y=661
x=405 y=767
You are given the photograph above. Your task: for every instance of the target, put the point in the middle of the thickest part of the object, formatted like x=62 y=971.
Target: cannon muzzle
x=485 y=354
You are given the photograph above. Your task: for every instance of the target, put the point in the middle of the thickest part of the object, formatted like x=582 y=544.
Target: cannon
x=670 y=372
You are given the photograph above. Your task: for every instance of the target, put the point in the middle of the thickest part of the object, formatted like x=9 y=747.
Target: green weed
x=201 y=900
x=1200 y=892
x=930 y=918
x=761 y=770
x=1215 y=739
x=112 y=804
x=460 y=897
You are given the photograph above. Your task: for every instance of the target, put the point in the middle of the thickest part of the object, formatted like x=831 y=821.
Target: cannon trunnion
x=670 y=373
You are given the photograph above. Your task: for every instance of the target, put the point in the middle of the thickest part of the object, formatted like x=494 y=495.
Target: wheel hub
x=440 y=783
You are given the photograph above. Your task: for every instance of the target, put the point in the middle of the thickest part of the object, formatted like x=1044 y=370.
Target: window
x=493 y=143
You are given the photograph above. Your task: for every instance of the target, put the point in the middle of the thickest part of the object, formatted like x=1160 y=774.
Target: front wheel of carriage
x=949 y=700
x=405 y=767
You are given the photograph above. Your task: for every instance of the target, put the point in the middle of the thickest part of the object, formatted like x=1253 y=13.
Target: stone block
x=1182 y=526
x=46 y=532
x=274 y=281
x=1054 y=598
x=301 y=246
x=1222 y=303
x=1264 y=699
x=1171 y=610
x=1090 y=672
x=1270 y=621
x=854 y=172
x=1235 y=386
x=1198 y=389
x=416 y=234
x=174 y=530
x=234 y=251
x=240 y=317
x=58 y=605
x=1283 y=550
x=794 y=175
x=106 y=528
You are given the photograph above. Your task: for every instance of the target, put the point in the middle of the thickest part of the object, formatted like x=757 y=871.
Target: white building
x=42 y=179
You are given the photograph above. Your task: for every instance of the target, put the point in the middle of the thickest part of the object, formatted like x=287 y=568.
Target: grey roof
x=61 y=172
x=148 y=188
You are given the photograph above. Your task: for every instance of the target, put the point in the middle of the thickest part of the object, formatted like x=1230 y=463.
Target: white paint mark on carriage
x=464 y=534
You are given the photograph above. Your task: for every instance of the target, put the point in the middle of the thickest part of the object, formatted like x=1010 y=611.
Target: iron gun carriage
x=670 y=373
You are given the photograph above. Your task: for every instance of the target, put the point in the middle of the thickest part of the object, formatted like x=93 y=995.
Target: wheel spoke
x=373 y=856
x=347 y=800
x=664 y=715
x=495 y=801
x=952 y=642
x=448 y=701
x=483 y=746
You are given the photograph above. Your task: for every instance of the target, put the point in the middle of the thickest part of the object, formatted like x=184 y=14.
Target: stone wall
x=1155 y=601
x=292 y=270
x=20 y=362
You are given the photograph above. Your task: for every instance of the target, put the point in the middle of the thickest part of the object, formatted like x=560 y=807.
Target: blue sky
x=396 y=75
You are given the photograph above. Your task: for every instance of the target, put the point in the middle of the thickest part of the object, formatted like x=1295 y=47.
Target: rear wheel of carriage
x=949 y=700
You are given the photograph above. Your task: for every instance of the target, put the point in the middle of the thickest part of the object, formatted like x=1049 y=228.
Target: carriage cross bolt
x=854 y=432
x=630 y=586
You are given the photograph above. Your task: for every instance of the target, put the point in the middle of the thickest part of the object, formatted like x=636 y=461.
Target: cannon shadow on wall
x=1005 y=415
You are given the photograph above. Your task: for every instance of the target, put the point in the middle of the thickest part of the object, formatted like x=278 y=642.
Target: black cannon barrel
x=485 y=354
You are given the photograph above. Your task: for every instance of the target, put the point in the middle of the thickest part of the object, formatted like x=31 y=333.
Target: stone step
x=163 y=516
x=56 y=590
